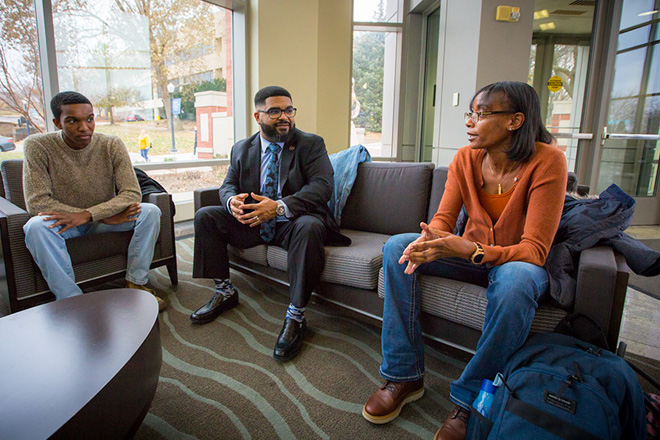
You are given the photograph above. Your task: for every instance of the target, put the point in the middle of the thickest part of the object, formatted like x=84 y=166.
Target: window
x=377 y=26
x=149 y=72
x=21 y=100
x=139 y=67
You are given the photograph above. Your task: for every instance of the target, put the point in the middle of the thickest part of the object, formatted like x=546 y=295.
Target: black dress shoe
x=290 y=340
x=212 y=309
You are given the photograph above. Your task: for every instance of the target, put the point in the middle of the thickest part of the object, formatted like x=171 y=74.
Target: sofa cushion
x=465 y=303
x=356 y=265
x=255 y=254
x=437 y=190
x=388 y=198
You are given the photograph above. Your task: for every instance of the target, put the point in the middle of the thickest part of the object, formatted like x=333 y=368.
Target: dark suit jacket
x=306 y=177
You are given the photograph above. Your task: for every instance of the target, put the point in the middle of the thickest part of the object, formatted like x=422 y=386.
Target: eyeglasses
x=475 y=116
x=275 y=113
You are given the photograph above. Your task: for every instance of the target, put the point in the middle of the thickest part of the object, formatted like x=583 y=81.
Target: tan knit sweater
x=526 y=228
x=59 y=178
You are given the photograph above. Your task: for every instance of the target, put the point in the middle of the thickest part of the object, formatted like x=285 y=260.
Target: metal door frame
x=597 y=102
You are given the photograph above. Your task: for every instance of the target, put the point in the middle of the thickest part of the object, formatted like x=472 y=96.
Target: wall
x=306 y=48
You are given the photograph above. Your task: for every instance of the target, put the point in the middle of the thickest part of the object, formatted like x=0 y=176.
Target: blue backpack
x=558 y=387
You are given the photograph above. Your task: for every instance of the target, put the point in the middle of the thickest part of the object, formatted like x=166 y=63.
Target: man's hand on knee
x=129 y=214
x=67 y=220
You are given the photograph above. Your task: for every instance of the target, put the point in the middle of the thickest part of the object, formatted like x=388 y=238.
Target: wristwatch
x=478 y=255
x=280 y=208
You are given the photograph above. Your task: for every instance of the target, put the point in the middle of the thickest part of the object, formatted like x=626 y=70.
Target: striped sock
x=295 y=313
x=224 y=287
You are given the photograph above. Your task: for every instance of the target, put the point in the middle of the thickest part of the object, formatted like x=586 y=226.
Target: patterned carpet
x=219 y=381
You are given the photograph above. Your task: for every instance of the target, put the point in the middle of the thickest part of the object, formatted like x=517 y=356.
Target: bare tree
x=20 y=77
x=20 y=82
x=167 y=19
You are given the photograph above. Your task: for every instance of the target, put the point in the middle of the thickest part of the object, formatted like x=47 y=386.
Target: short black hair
x=65 y=98
x=519 y=97
x=267 y=92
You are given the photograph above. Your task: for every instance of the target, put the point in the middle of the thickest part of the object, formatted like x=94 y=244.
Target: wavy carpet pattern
x=219 y=380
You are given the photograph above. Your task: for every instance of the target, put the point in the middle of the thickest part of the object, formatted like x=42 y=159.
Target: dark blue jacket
x=589 y=222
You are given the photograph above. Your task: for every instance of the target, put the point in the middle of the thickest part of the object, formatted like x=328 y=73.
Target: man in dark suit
x=276 y=192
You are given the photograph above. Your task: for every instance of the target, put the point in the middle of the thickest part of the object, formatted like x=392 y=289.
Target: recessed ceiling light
x=541 y=14
x=642 y=14
x=547 y=26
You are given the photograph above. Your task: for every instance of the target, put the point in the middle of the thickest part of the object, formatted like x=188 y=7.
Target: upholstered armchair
x=96 y=258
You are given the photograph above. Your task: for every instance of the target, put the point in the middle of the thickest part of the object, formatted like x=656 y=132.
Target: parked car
x=133 y=118
x=6 y=144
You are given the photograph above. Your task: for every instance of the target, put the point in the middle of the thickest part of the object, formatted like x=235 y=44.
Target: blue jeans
x=144 y=153
x=48 y=248
x=514 y=290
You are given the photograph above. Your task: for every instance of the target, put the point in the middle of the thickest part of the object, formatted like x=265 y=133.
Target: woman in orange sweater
x=511 y=181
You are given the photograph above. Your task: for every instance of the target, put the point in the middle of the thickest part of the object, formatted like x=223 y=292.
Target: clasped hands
x=264 y=210
x=68 y=220
x=432 y=245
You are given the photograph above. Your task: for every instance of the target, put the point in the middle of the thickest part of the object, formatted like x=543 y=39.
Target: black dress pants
x=303 y=238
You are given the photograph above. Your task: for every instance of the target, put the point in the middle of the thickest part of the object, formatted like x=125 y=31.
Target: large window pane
x=161 y=67
x=634 y=109
x=374 y=77
x=636 y=12
x=21 y=100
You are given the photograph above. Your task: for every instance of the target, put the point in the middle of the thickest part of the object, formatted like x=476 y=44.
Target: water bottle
x=485 y=398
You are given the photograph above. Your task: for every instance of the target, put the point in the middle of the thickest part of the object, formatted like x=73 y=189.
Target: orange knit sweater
x=530 y=219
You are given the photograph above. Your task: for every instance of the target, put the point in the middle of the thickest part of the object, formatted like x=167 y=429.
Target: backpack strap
x=546 y=421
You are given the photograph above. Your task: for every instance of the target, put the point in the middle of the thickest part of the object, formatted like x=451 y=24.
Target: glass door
x=629 y=140
x=559 y=59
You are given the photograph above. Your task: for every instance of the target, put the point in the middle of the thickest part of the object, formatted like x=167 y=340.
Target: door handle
x=630 y=136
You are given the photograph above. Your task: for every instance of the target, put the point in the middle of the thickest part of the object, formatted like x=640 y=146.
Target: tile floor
x=640 y=327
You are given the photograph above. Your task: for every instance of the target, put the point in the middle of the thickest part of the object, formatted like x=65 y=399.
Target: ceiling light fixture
x=547 y=26
x=541 y=14
x=642 y=14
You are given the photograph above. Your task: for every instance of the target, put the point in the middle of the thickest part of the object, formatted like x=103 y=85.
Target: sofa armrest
x=601 y=288
x=166 y=237
x=206 y=197
x=17 y=258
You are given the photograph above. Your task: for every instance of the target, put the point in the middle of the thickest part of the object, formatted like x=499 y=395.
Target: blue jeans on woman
x=513 y=292
x=48 y=248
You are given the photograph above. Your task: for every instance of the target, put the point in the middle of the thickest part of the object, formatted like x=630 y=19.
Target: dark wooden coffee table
x=82 y=367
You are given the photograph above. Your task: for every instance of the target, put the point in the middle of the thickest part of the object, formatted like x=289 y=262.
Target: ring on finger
x=256 y=217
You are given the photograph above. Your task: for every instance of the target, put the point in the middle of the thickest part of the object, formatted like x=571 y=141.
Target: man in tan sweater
x=69 y=180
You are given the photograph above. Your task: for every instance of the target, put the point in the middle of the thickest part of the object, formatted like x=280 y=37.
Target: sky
x=363 y=10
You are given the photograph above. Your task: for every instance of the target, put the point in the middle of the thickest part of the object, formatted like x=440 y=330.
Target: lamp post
x=27 y=116
x=170 y=90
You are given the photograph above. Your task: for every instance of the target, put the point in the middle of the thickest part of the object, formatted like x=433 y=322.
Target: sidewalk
x=136 y=158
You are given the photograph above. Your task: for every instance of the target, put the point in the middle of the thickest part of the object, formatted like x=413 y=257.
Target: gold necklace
x=492 y=170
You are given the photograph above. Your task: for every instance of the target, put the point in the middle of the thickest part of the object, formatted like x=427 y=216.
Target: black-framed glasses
x=475 y=116
x=275 y=113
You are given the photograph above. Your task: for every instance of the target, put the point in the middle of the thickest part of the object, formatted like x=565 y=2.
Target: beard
x=271 y=134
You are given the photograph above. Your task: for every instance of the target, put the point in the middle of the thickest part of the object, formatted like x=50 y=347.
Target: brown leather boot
x=386 y=403
x=455 y=426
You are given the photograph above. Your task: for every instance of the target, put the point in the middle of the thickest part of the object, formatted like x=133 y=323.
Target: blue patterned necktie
x=267 y=229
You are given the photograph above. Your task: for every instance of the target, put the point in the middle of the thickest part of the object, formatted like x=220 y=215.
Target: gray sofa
x=393 y=198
